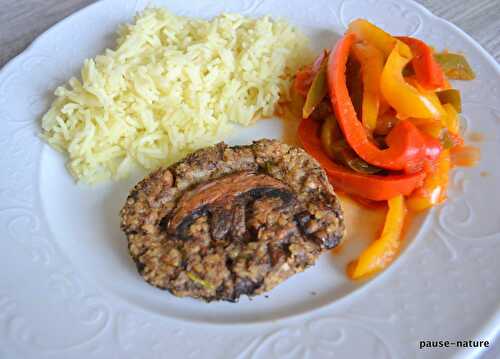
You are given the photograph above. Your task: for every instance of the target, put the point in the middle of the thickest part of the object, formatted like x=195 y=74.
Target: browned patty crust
x=227 y=221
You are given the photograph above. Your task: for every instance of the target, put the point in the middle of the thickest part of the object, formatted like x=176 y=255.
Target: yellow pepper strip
x=407 y=100
x=434 y=189
x=431 y=97
x=369 y=33
x=383 y=250
x=371 y=60
x=452 y=120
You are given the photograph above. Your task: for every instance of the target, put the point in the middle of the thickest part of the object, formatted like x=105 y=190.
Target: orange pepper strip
x=383 y=250
x=428 y=71
x=371 y=60
x=434 y=189
x=408 y=148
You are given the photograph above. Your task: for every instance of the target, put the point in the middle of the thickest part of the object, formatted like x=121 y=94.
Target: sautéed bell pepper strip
x=452 y=120
x=305 y=77
x=316 y=93
x=434 y=189
x=431 y=97
x=451 y=96
x=408 y=148
x=383 y=250
x=367 y=32
x=330 y=133
x=372 y=63
x=428 y=72
x=337 y=149
x=450 y=140
x=371 y=187
x=346 y=156
x=407 y=100
x=319 y=61
x=455 y=66
x=303 y=80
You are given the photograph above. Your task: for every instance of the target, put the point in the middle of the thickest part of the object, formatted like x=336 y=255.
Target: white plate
x=69 y=289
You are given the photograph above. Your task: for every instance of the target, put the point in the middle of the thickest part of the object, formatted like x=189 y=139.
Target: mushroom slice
x=217 y=197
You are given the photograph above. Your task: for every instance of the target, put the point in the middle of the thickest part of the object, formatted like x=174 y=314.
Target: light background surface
x=22 y=21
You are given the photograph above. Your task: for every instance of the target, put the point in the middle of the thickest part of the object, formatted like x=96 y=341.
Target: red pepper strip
x=408 y=148
x=373 y=187
x=428 y=71
x=305 y=77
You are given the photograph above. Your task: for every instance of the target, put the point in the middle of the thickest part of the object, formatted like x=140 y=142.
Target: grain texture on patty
x=228 y=221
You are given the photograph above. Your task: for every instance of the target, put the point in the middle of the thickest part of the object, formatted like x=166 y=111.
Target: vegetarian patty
x=227 y=221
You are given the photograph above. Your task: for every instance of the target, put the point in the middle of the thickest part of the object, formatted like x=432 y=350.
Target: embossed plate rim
x=271 y=330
